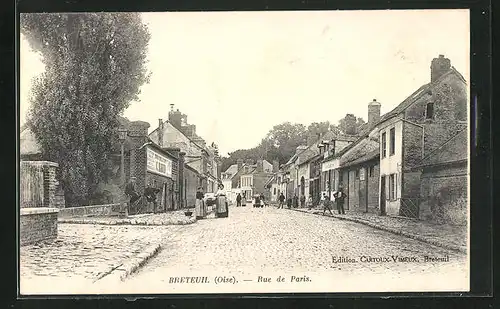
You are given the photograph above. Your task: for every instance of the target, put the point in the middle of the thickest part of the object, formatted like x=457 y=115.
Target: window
x=392 y=187
x=371 y=171
x=274 y=191
x=383 y=145
x=392 y=141
x=429 y=111
x=357 y=174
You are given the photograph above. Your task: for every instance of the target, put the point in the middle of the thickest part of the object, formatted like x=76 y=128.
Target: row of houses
x=248 y=178
x=411 y=161
x=172 y=158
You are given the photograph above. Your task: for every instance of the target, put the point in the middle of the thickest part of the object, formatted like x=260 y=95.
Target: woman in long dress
x=221 y=208
x=199 y=207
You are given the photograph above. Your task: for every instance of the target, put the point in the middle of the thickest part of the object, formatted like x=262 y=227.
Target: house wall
x=303 y=171
x=191 y=184
x=444 y=194
x=391 y=164
x=363 y=190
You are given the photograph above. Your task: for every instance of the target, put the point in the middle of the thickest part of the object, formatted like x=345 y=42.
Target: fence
x=31 y=188
x=410 y=207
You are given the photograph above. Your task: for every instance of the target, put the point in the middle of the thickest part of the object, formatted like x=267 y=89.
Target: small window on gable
x=429 y=111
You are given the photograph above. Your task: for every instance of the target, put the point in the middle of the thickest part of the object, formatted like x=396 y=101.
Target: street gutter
x=459 y=249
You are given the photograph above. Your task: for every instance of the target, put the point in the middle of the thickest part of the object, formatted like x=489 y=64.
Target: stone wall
x=444 y=194
x=37 y=224
x=94 y=210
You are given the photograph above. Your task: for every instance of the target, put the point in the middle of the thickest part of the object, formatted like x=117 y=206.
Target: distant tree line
x=283 y=139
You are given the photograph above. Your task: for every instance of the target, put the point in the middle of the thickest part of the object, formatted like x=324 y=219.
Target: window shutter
x=387 y=179
x=396 y=195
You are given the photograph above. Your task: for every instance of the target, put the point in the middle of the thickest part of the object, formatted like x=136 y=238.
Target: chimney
x=175 y=118
x=373 y=112
x=350 y=124
x=239 y=162
x=276 y=166
x=260 y=166
x=160 y=132
x=439 y=66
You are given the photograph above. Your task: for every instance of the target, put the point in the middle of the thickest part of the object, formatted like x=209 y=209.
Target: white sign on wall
x=330 y=165
x=158 y=163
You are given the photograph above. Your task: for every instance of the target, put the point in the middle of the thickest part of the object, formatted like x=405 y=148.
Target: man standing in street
x=131 y=192
x=326 y=204
x=339 y=198
x=281 y=200
x=238 y=200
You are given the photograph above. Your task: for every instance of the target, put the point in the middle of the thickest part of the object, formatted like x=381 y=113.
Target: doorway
x=382 y=196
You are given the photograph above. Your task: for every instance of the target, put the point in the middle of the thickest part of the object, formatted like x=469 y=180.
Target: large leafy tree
x=94 y=68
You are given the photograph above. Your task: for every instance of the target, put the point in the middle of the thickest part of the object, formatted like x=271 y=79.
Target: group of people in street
x=339 y=198
x=221 y=204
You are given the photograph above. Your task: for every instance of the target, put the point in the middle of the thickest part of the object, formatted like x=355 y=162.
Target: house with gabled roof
x=419 y=125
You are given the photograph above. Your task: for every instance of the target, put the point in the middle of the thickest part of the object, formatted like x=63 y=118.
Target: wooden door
x=382 y=195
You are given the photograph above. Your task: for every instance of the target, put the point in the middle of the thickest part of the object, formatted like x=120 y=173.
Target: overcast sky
x=237 y=74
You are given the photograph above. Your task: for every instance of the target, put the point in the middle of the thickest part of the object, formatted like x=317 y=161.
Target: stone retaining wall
x=95 y=210
x=37 y=224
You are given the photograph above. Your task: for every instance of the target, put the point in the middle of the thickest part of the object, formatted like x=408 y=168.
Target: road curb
x=131 y=266
x=394 y=231
x=126 y=222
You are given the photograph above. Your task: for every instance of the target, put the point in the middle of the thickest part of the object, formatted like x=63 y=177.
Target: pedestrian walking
x=339 y=199
x=310 y=202
x=289 y=203
x=295 y=201
x=281 y=200
x=238 y=200
x=262 y=199
x=302 y=200
x=326 y=204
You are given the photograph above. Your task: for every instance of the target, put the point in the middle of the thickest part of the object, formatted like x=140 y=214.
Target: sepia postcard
x=244 y=152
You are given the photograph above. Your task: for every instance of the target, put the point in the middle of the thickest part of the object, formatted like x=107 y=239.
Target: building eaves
x=367 y=157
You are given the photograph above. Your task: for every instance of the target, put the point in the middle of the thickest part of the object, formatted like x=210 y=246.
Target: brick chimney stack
x=276 y=166
x=175 y=118
x=439 y=66
x=239 y=162
x=260 y=165
x=160 y=132
x=373 y=112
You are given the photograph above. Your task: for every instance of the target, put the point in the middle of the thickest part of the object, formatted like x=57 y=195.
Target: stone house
x=251 y=178
x=177 y=133
x=419 y=125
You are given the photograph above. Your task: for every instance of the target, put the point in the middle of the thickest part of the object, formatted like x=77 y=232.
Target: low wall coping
x=90 y=206
x=38 y=210
x=44 y=163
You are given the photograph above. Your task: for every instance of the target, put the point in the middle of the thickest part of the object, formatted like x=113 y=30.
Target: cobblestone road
x=83 y=251
x=272 y=241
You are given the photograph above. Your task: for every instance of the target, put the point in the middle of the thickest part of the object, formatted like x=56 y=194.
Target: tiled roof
x=369 y=156
x=232 y=169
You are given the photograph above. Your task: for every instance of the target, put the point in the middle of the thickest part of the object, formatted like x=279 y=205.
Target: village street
x=254 y=241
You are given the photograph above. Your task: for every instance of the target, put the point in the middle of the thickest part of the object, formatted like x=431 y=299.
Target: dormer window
x=429 y=111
